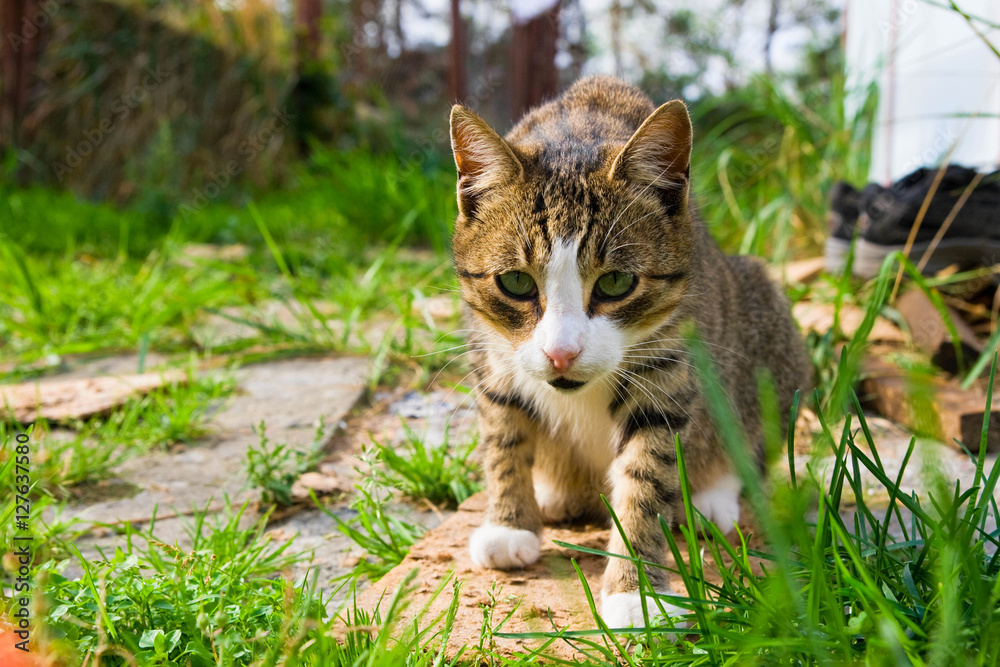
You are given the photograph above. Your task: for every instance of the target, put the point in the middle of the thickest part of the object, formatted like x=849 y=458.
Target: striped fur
x=595 y=182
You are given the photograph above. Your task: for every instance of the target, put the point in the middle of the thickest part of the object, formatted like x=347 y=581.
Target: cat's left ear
x=484 y=160
x=659 y=153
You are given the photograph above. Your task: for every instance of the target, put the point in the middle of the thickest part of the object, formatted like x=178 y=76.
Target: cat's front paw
x=720 y=503
x=503 y=548
x=624 y=610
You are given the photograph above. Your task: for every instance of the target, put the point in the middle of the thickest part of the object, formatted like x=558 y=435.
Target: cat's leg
x=720 y=502
x=645 y=484
x=509 y=537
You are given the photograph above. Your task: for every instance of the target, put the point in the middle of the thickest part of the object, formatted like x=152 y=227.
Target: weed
x=274 y=468
x=214 y=603
x=441 y=474
x=386 y=539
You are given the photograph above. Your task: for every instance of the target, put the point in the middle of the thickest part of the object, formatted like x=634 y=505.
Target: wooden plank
x=930 y=333
x=802 y=271
x=818 y=316
x=929 y=406
x=60 y=400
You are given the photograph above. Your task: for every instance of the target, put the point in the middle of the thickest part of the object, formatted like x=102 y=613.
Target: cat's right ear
x=484 y=160
x=659 y=153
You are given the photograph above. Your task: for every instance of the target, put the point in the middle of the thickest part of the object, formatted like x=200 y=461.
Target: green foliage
x=386 y=539
x=441 y=474
x=75 y=304
x=219 y=603
x=765 y=158
x=45 y=535
x=274 y=468
x=83 y=278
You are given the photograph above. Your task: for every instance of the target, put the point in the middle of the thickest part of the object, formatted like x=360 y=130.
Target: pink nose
x=562 y=358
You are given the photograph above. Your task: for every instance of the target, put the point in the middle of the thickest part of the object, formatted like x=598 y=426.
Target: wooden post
x=307 y=17
x=456 y=72
x=21 y=25
x=533 y=60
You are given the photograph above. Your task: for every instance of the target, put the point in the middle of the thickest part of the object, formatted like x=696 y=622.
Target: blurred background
x=166 y=163
x=168 y=105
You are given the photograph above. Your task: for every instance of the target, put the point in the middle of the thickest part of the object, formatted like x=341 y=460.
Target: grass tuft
x=442 y=474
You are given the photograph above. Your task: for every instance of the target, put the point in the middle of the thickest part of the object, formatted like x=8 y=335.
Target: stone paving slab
x=291 y=396
x=546 y=594
x=121 y=364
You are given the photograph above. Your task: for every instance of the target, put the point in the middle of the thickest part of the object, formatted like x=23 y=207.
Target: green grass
x=384 y=538
x=86 y=278
x=273 y=468
x=442 y=474
x=218 y=603
x=765 y=159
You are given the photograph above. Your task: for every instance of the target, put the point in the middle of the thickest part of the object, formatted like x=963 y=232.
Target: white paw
x=503 y=548
x=624 y=610
x=720 y=503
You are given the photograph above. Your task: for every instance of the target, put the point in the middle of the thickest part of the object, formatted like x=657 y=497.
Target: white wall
x=939 y=82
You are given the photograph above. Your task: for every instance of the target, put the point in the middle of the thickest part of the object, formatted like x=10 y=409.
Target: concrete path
x=290 y=397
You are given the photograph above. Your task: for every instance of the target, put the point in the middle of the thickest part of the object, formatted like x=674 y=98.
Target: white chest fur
x=580 y=419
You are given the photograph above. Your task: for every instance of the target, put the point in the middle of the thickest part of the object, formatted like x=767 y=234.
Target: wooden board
x=60 y=400
x=931 y=406
x=930 y=333
x=819 y=317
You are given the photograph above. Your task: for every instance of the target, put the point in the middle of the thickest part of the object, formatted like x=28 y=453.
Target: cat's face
x=567 y=269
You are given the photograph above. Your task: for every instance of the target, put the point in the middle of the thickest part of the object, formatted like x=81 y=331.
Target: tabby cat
x=582 y=262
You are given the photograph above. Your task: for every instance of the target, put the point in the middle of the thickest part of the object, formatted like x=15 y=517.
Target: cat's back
x=588 y=123
x=759 y=322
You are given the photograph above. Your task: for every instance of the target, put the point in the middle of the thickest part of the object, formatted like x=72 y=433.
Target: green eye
x=517 y=284
x=614 y=285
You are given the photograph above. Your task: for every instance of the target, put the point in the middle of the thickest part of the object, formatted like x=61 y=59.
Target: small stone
x=280 y=535
x=319 y=483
